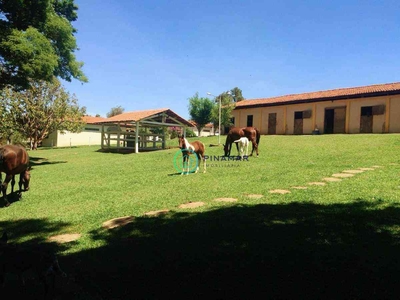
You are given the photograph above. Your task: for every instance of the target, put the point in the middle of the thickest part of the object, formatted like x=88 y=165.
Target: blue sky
x=145 y=54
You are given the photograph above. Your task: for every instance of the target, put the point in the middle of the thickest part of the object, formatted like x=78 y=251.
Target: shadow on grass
x=39 y=161
x=288 y=251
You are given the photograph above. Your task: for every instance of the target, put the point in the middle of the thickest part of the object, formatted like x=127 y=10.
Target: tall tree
x=42 y=109
x=37 y=42
x=200 y=111
x=227 y=105
x=115 y=111
x=237 y=94
x=6 y=127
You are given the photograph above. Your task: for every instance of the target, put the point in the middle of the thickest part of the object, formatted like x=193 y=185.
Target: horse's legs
x=255 y=146
x=21 y=179
x=200 y=158
x=12 y=184
x=187 y=164
x=4 y=189
x=237 y=148
x=183 y=164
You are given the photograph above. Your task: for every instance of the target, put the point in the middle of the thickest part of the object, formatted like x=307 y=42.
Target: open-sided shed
x=131 y=130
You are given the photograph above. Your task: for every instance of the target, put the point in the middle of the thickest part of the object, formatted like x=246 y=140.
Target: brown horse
x=187 y=149
x=14 y=160
x=252 y=133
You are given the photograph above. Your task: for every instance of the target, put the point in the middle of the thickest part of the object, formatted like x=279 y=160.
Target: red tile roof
x=92 y=120
x=336 y=94
x=139 y=115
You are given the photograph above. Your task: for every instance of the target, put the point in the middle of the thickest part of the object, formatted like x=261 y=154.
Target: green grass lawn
x=340 y=240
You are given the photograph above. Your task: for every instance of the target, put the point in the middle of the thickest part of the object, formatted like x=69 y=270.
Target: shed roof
x=92 y=120
x=141 y=115
x=336 y=94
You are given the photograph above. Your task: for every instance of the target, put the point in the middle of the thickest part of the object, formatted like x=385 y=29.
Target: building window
x=91 y=129
x=249 y=120
x=366 y=111
x=298 y=115
x=233 y=121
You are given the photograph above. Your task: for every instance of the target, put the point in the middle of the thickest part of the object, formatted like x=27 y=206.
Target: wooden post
x=102 y=136
x=137 y=138
x=314 y=116
x=284 y=119
x=347 y=120
x=387 y=116
x=164 y=120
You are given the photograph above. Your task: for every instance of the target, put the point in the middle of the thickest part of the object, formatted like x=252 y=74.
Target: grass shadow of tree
x=27 y=236
x=296 y=250
x=40 y=161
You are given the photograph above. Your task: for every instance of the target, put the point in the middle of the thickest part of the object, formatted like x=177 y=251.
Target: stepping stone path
x=343 y=175
x=255 y=196
x=316 y=183
x=331 y=179
x=353 y=171
x=117 y=222
x=65 y=238
x=279 y=191
x=226 y=199
x=191 y=205
x=156 y=213
x=299 y=187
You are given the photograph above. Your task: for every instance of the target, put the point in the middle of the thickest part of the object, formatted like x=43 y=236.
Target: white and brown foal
x=188 y=149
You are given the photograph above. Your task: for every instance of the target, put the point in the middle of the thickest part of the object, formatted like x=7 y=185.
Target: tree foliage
x=227 y=105
x=200 y=111
x=37 y=42
x=236 y=94
x=40 y=110
x=115 y=111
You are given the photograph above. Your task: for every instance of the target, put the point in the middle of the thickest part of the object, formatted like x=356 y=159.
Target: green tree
x=6 y=127
x=42 y=109
x=200 y=111
x=37 y=42
x=115 y=111
x=236 y=94
x=227 y=105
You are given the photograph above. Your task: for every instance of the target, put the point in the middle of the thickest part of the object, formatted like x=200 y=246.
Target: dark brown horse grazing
x=252 y=133
x=187 y=149
x=14 y=160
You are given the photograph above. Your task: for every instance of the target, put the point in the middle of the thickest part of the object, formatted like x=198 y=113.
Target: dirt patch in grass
x=317 y=183
x=255 y=196
x=376 y=167
x=279 y=191
x=366 y=169
x=299 y=187
x=331 y=179
x=353 y=171
x=65 y=238
x=191 y=205
x=342 y=175
x=226 y=199
x=155 y=213
x=117 y=222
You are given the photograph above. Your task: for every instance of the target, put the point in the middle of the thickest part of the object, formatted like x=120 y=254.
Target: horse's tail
x=258 y=135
